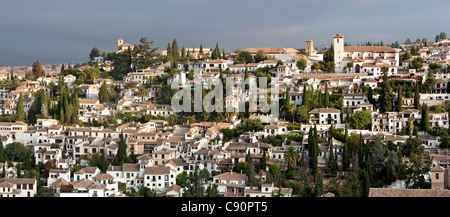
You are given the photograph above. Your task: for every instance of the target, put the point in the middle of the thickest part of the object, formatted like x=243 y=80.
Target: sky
x=55 y=31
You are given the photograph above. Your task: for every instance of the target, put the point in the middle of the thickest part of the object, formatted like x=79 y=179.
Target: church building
x=364 y=59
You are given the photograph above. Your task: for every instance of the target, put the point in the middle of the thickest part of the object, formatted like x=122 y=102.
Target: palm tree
x=411 y=126
x=142 y=93
x=292 y=156
x=292 y=111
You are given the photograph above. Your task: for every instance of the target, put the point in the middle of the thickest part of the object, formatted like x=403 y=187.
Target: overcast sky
x=61 y=30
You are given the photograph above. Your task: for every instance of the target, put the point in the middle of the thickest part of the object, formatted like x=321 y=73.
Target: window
x=437 y=175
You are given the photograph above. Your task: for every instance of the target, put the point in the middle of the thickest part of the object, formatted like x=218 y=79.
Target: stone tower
x=338 y=44
x=119 y=44
x=438 y=177
x=309 y=48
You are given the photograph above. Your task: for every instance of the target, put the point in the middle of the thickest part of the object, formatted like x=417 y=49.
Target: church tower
x=438 y=177
x=119 y=44
x=338 y=44
x=309 y=48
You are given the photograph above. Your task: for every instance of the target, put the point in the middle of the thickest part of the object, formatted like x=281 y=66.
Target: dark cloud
x=67 y=30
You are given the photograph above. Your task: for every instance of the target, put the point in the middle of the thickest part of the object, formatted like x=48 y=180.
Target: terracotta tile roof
x=231 y=176
x=438 y=169
x=176 y=188
x=387 y=192
x=376 y=49
x=114 y=168
x=18 y=180
x=87 y=170
x=60 y=182
x=130 y=167
x=86 y=183
x=157 y=170
x=324 y=110
x=104 y=176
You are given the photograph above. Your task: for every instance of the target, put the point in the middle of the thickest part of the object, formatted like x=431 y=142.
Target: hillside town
x=366 y=120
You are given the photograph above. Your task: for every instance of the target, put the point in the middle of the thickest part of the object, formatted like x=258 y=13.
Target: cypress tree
x=370 y=95
x=2 y=153
x=386 y=95
x=4 y=171
x=175 y=50
x=347 y=117
x=366 y=184
x=369 y=168
x=61 y=116
x=305 y=96
x=223 y=53
x=264 y=160
x=425 y=118
x=327 y=97
x=319 y=185
x=320 y=104
x=345 y=159
x=316 y=152
x=288 y=98
x=201 y=49
x=20 y=111
x=399 y=99
x=389 y=174
x=169 y=55
x=245 y=78
x=417 y=97
x=122 y=151
x=346 y=132
x=310 y=147
x=331 y=158
x=183 y=52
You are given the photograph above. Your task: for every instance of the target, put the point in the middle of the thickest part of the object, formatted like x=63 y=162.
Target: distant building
x=121 y=47
x=364 y=59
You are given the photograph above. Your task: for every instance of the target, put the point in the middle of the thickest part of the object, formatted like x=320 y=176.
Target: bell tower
x=309 y=47
x=119 y=44
x=338 y=44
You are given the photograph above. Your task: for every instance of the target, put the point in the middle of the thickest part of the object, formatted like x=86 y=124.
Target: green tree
x=430 y=82
x=244 y=57
x=351 y=186
x=399 y=99
x=122 y=151
x=386 y=97
x=261 y=56
x=301 y=64
x=319 y=191
x=366 y=184
x=95 y=52
x=175 y=50
x=98 y=160
x=3 y=156
x=345 y=158
x=416 y=172
x=417 y=97
x=37 y=70
x=327 y=97
x=20 y=111
x=17 y=152
x=169 y=56
x=361 y=120
x=425 y=118
x=183 y=179
x=292 y=156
